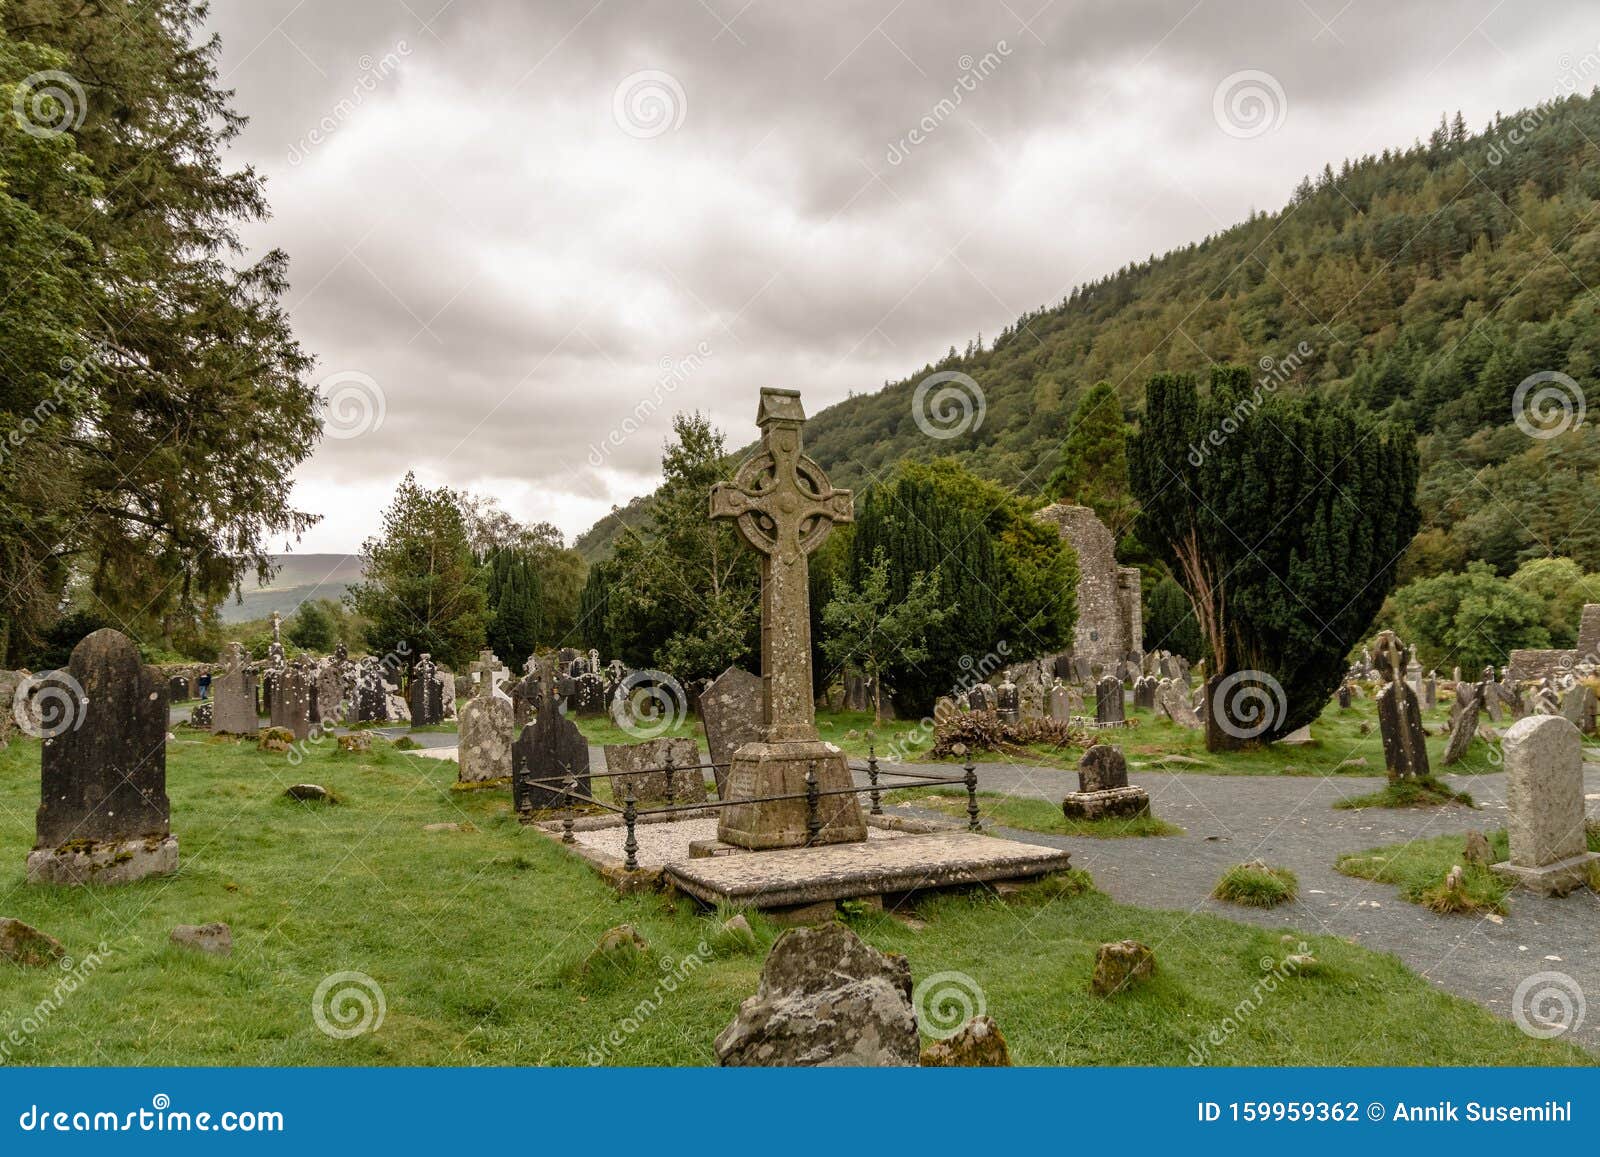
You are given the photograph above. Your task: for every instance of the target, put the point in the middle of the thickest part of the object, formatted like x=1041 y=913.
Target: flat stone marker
x=784 y=507
x=730 y=710
x=103 y=813
x=1544 y=801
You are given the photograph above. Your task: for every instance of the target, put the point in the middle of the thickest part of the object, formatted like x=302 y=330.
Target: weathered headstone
x=1430 y=691
x=103 y=813
x=1344 y=695
x=1108 y=705
x=591 y=694
x=329 y=698
x=784 y=507
x=1463 y=724
x=426 y=693
x=234 y=695
x=1144 y=692
x=291 y=705
x=981 y=697
x=638 y=763
x=370 y=702
x=550 y=748
x=1006 y=698
x=1405 y=748
x=1103 y=789
x=730 y=710
x=1545 y=807
x=1061 y=704
x=1172 y=700
x=1578 y=707
x=485 y=726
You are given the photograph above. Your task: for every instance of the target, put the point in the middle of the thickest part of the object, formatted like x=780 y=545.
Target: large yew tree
x=186 y=403
x=1282 y=518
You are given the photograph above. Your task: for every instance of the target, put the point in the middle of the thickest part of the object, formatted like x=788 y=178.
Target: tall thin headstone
x=1405 y=748
x=784 y=507
x=103 y=813
x=549 y=749
x=233 y=708
x=730 y=711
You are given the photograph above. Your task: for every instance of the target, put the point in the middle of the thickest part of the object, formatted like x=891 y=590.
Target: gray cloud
x=470 y=225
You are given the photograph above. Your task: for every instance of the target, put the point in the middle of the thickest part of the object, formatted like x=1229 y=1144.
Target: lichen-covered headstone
x=103 y=812
x=485 y=726
x=730 y=710
x=233 y=694
x=1545 y=806
x=638 y=763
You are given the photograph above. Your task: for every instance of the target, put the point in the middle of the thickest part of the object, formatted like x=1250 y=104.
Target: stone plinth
x=763 y=770
x=104 y=862
x=1116 y=802
x=910 y=863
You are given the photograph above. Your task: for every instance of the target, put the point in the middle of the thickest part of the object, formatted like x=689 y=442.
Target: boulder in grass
x=25 y=945
x=976 y=1044
x=1478 y=849
x=619 y=946
x=825 y=998
x=215 y=938
x=309 y=793
x=1119 y=965
x=355 y=743
x=277 y=740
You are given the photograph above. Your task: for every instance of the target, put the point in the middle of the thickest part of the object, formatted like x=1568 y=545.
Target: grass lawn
x=1409 y=793
x=1032 y=815
x=1419 y=868
x=477 y=940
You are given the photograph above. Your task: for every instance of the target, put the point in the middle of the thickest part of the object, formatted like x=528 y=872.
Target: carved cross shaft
x=784 y=507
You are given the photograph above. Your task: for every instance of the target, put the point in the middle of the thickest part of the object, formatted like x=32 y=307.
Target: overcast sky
x=510 y=223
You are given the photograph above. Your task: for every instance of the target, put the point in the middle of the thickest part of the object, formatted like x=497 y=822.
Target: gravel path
x=1290 y=821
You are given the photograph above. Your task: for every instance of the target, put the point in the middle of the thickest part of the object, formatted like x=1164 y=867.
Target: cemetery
x=1178 y=677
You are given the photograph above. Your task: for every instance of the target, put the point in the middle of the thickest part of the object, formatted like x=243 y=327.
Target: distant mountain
x=1423 y=283
x=300 y=577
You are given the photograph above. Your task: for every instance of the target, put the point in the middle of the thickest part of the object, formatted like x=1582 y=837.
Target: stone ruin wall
x=1110 y=620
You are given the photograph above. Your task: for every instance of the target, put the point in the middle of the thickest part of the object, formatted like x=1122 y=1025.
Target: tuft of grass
x=1409 y=793
x=405 y=743
x=1036 y=815
x=1419 y=869
x=1257 y=885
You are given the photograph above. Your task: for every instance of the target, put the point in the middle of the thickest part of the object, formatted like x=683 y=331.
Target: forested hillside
x=1424 y=283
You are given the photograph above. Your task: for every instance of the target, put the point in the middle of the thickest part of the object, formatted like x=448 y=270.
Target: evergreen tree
x=420 y=589
x=1093 y=468
x=868 y=629
x=1169 y=622
x=312 y=628
x=1283 y=519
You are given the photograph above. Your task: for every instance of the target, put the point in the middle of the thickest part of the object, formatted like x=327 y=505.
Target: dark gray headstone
x=425 y=695
x=1007 y=702
x=551 y=747
x=1405 y=749
x=1108 y=706
x=104 y=774
x=730 y=710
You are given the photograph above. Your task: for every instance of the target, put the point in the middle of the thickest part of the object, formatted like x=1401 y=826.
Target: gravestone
x=1030 y=699
x=485 y=726
x=1108 y=705
x=103 y=814
x=1578 y=707
x=1344 y=696
x=329 y=698
x=1405 y=748
x=1430 y=691
x=551 y=747
x=590 y=697
x=370 y=702
x=486 y=671
x=1144 y=692
x=426 y=693
x=981 y=697
x=637 y=761
x=1545 y=808
x=1006 y=698
x=291 y=704
x=177 y=689
x=1463 y=724
x=1062 y=707
x=730 y=711
x=233 y=694
x=784 y=507
x=525 y=694
x=857 y=692
x=1103 y=789
x=1172 y=700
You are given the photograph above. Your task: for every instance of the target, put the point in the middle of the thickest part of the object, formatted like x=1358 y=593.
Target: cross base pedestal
x=765 y=769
